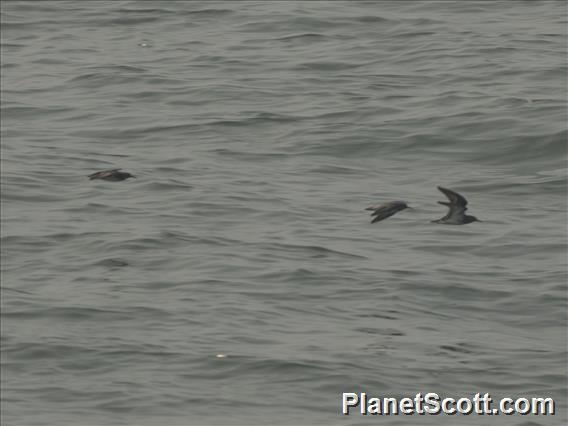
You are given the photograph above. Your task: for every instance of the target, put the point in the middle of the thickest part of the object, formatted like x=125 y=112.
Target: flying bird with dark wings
x=457 y=206
x=382 y=211
x=114 y=175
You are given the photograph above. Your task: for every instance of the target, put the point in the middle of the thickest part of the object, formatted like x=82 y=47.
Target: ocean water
x=238 y=280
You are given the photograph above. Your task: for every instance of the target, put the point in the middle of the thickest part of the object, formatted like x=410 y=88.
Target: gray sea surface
x=238 y=279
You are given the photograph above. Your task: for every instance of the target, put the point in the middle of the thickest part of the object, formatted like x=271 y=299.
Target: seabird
x=382 y=211
x=114 y=175
x=457 y=207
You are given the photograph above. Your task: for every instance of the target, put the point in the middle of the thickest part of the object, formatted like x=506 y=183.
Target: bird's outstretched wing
x=455 y=198
x=102 y=174
x=457 y=205
x=382 y=211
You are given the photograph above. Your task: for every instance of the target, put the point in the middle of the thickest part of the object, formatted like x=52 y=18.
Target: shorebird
x=114 y=175
x=457 y=207
x=382 y=211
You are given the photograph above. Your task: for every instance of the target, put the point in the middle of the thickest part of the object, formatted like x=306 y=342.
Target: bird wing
x=103 y=173
x=456 y=206
x=382 y=211
x=455 y=198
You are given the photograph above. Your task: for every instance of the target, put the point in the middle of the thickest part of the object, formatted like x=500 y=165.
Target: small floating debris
x=114 y=175
x=221 y=356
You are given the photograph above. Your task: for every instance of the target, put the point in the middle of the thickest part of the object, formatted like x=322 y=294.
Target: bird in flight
x=114 y=175
x=382 y=211
x=457 y=206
